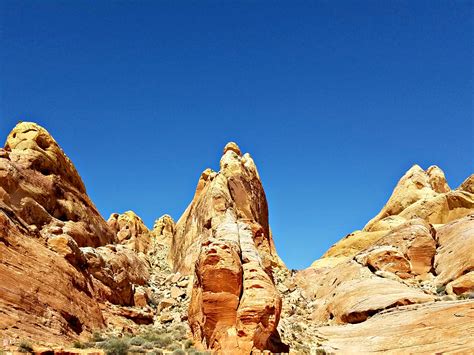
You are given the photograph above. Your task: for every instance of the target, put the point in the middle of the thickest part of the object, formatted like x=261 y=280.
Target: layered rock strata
x=224 y=239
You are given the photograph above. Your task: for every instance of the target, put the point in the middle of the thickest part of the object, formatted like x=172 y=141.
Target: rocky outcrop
x=163 y=230
x=407 y=251
x=407 y=277
x=409 y=260
x=224 y=238
x=58 y=270
x=418 y=195
x=39 y=184
x=423 y=194
x=131 y=231
x=37 y=286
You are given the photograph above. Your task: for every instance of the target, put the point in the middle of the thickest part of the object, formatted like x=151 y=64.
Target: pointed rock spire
x=224 y=238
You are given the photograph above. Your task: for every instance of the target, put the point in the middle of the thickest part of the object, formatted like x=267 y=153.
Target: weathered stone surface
x=42 y=296
x=347 y=248
x=442 y=327
x=455 y=256
x=422 y=194
x=468 y=185
x=408 y=250
x=463 y=285
x=118 y=269
x=41 y=186
x=224 y=236
x=418 y=195
x=416 y=249
x=55 y=284
x=163 y=230
x=350 y=293
x=131 y=231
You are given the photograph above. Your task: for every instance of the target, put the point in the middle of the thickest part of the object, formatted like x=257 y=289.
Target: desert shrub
x=179 y=352
x=188 y=343
x=466 y=296
x=25 y=347
x=137 y=341
x=440 y=290
x=96 y=337
x=79 y=345
x=180 y=329
x=115 y=346
x=148 y=346
x=162 y=341
x=152 y=335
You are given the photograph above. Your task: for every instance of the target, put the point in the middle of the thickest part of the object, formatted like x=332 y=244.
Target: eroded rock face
x=418 y=195
x=131 y=231
x=39 y=184
x=37 y=286
x=224 y=237
x=415 y=252
x=57 y=275
x=429 y=328
x=422 y=194
x=454 y=257
x=407 y=251
x=65 y=272
x=163 y=230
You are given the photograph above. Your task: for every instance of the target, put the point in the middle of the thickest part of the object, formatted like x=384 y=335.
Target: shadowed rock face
x=224 y=237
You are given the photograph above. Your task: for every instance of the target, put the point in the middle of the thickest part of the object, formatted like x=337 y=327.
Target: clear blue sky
x=335 y=100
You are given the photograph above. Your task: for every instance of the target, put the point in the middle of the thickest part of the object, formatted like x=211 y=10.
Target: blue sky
x=334 y=100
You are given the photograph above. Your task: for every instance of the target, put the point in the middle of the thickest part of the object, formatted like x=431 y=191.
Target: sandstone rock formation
x=131 y=231
x=409 y=260
x=403 y=283
x=224 y=237
x=58 y=270
x=423 y=194
x=39 y=184
x=442 y=327
x=419 y=194
x=163 y=230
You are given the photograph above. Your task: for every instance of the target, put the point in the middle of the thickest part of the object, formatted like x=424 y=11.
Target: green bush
x=188 y=343
x=115 y=346
x=25 y=347
x=162 y=341
x=137 y=341
x=96 y=337
x=148 y=346
x=79 y=345
x=152 y=335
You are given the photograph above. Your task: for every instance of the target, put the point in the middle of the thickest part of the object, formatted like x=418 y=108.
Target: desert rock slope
x=405 y=283
x=213 y=280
